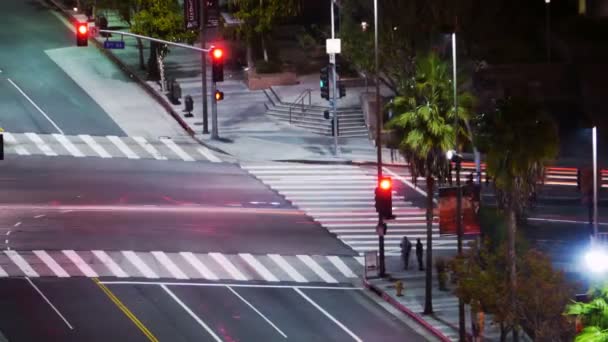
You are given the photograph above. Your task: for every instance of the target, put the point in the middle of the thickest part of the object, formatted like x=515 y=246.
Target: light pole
x=548 y=28
x=595 y=183
x=202 y=23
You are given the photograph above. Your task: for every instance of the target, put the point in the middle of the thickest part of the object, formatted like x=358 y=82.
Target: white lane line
x=257 y=311
x=82 y=266
x=122 y=147
x=68 y=145
x=169 y=265
x=39 y=216
x=192 y=314
x=295 y=275
x=140 y=264
x=332 y=318
x=17 y=224
x=49 y=303
x=21 y=263
x=110 y=264
x=95 y=146
x=564 y=221
x=208 y=154
x=52 y=264
x=181 y=153
x=35 y=105
x=261 y=269
x=149 y=148
x=245 y=285
x=228 y=266
x=341 y=266
x=306 y=259
x=199 y=266
x=19 y=149
x=35 y=138
x=408 y=183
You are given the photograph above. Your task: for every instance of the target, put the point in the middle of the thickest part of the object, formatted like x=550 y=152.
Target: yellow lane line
x=126 y=311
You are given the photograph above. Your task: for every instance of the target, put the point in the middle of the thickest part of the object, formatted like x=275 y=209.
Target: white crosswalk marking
x=169 y=265
x=295 y=275
x=261 y=269
x=110 y=264
x=123 y=147
x=95 y=146
x=208 y=154
x=320 y=271
x=228 y=266
x=41 y=144
x=68 y=145
x=140 y=265
x=3 y=273
x=11 y=140
x=341 y=266
x=199 y=266
x=21 y=263
x=81 y=264
x=51 y=264
x=149 y=148
x=178 y=150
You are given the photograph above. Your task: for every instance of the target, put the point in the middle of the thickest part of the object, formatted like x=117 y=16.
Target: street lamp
x=597 y=259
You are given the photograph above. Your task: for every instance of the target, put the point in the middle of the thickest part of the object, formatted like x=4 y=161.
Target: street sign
x=114 y=44
x=192 y=14
x=332 y=58
x=371 y=262
x=333 y=46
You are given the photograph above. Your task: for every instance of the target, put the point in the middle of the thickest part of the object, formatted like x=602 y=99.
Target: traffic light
x=326 y=114
x=341 y=89
x=324 y=83
x=384 y=198
x=82 y=34
x=219 y=95
x=217 y=64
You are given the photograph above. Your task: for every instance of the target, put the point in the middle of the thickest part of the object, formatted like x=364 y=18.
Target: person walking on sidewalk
x=406 y=248
x=419 y=250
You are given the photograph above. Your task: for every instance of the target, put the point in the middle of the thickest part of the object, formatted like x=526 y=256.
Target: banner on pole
x=192 y=14
x=470 y=209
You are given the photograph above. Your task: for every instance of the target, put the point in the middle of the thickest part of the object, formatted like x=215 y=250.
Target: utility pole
x=203 y=23
x=332 y=60
x=378 y=135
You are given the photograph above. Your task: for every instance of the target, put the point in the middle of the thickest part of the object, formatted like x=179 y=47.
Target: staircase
x=310 y=117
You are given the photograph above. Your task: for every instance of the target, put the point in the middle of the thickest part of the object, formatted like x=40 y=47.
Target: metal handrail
x=300 y=99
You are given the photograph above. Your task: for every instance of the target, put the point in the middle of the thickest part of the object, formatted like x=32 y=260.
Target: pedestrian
x=419 y=250
x=406 y=248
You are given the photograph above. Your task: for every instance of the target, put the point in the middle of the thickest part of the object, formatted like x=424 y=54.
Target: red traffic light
x=217 y=53
x=386 y=183
x=83 y=28
x=82 y=34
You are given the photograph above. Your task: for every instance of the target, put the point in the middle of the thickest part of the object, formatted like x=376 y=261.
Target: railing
x=300 y=101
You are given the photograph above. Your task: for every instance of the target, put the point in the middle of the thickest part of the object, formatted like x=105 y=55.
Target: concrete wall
x=257 y=81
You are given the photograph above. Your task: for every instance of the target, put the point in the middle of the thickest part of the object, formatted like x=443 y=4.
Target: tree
x=593 y=315
x=425 y=126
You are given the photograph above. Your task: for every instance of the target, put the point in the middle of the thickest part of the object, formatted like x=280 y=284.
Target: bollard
x=189 y=106
x=399 y=287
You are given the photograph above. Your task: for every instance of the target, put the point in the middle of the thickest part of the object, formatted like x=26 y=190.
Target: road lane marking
x=332 y=318
x=122 y=147
x=216 y=284
x=95 y=146
x=126 y=311
x=51 y=264
x=49 y=303
x=169 y=265
x=35 y=106
x=228 y=266
x=308 y=261
x=149 y=148
x=68 y=145
x=360 y=260
x=140 y=264
x=564 y=221
x=181 y=153
x=199 y=266
x=3 y=273
x=192 y=314
x=21 y=263
x=81 y=264
x=259 y=268
x=257 y=311
x=295 y=275
x=341 y=266
x=110 y=264
x=208 y=154
x=35 y=138
x=19 y=149
x=408 y=183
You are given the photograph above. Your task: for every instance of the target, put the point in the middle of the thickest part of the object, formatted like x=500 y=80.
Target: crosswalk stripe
x=199 y=266
x=81 y=264
x=94 y=146
x=340 y=265
x=169 y=265
x=259 y=268
x=41 y=144
x=122 y=147
x=51 y=264
x=68 y=145
x=110 y=264
x=149 y=148
x=308 y=261
x=208 y=154
x=228 y=266
x=140 y=265
x=181 y=153
x=11 y=140
x=21 y=263
x=360 y=260
x=391 y=224
x=285 y=266
x=292 y=166
x=370 y=219
x=311 y=172
x=3 y=273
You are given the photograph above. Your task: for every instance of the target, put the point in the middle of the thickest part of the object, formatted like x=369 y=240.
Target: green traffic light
x=321 y=84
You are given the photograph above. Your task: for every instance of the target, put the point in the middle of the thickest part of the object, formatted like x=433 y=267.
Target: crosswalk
x=341 y=199
x=182 y=266
x=83 y=145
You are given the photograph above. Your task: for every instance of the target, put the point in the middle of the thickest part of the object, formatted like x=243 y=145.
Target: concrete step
x=320 y=124
x=343 y=121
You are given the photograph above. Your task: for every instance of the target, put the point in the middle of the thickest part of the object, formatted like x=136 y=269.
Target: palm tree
x=425 y=126
x=592 y=315
x=518 y=139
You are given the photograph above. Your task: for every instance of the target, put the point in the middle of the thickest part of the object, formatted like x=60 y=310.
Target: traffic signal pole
x=333 y=83
x=381 y=265
x=204 y=66
x=214 y=128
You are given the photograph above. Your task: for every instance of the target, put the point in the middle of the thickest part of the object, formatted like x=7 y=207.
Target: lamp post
x=595 y=182
x=548 y=28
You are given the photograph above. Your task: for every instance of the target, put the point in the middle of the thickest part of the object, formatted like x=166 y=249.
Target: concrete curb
x=337 y=162
x=406 y=311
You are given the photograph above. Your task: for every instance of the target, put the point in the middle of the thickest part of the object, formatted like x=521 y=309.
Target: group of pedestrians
x=406 y=249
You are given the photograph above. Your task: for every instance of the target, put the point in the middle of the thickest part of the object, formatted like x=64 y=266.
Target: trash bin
x=189 y=106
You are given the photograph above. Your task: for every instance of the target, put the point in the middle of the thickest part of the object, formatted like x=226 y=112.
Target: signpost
x=114 y=44
x=371 y=262
x=191 y=14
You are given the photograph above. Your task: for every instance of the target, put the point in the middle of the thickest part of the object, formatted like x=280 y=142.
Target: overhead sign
x=192 y=14
x=114 y=44
x=333 y=46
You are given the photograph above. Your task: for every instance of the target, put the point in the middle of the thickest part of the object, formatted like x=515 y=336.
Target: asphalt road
x=35 y=94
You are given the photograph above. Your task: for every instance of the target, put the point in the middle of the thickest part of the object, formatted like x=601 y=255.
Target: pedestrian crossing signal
x=219 y=95
x=384 y=198
x=324 y=83
x=82 y=34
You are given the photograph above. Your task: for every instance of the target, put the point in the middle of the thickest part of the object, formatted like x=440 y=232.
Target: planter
x=257 y=81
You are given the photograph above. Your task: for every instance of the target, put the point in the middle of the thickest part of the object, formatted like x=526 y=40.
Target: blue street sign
x=111 y=44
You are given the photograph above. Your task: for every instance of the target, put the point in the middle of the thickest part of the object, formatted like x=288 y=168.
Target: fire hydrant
x=399 y=287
